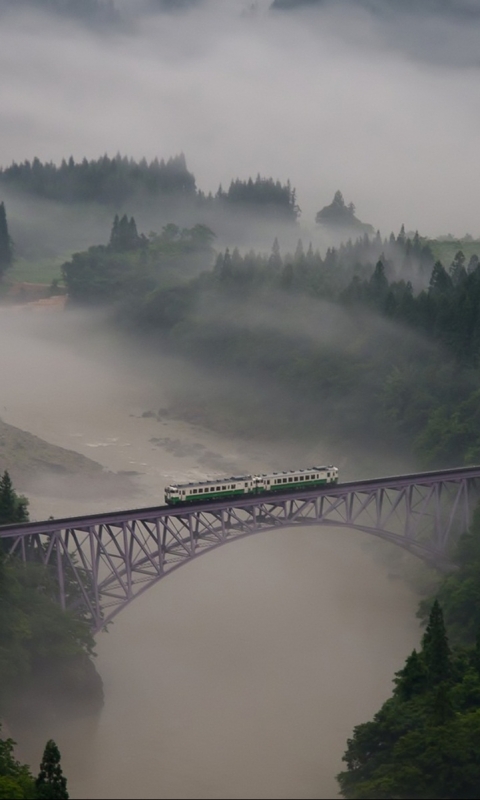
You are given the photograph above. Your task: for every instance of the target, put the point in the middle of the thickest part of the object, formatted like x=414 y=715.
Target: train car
x=202 y=491
x=296 y=480
x=244 y=485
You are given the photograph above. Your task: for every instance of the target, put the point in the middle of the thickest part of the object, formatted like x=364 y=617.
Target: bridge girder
x=103 y=563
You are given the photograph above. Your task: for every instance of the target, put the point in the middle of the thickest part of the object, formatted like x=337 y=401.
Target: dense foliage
x=120 y=180
x=35 y=633
x=17 y=781
x=341 y=216
x=374 y=336
x=459 y=593
x=263 y=195
x=6 y=245
x=425 y=740
x=51 y=783
x=13 y=507
x=110 y=181
x=132 y=266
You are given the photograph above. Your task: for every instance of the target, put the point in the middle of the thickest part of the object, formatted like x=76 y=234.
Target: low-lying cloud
x=336 y=97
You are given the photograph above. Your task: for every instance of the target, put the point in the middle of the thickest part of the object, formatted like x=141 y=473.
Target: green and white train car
x=253 y=485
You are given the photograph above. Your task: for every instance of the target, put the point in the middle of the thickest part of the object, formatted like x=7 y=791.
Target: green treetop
x=6 y=246
x=424 y=741
x=13 y=507
x=51 y=783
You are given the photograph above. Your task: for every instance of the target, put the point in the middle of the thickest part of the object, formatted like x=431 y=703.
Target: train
x=250 y=485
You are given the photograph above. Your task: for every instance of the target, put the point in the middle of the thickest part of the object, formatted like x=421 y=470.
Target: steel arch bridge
x=104 y=561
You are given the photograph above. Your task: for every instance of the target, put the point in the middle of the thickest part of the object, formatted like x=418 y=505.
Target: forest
x=379 y=338
x=120 y=181
x=425 y=740
x=40 y=645
x=376 y=338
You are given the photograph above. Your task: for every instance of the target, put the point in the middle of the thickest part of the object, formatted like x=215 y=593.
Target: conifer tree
x=6 y=247
x=411 y=680
x=435 y=648
x=12 y=507
x=51 y=783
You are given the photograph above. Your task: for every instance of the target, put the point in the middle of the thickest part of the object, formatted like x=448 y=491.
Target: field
x=445 y=250
x=43 y=270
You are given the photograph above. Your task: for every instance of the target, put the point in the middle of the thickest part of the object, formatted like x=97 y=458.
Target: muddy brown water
x=242 y=674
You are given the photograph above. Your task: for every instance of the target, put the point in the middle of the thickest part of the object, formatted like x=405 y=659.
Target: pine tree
x=51 y=783
x=124 y=235
x=411 y=680
x=6 y=246
x=436 y=649
x=440 y=281
x=12 y=507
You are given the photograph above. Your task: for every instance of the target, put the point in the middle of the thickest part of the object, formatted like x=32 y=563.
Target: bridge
x=104 y=561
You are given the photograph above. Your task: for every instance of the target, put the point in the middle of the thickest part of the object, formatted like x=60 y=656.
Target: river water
x=241 y=675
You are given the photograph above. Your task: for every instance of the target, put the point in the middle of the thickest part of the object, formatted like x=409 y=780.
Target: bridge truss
x=105 y=561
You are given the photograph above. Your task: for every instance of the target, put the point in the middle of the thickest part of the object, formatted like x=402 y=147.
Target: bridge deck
x=104 y=561
x=153 y=512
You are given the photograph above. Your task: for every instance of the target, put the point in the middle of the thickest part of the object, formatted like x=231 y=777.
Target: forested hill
x=104 y=180
x=375 y=339
x=116 y=181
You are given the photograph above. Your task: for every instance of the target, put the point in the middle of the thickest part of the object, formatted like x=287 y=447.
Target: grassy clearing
x=44 y=270
x=445 y=251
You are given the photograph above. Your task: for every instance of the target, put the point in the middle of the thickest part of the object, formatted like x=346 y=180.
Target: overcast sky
x=386 y=110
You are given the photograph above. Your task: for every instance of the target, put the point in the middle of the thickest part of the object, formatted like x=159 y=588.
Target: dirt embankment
x=30 y=461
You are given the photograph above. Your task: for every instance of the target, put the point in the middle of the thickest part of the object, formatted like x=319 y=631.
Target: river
x=241 y=675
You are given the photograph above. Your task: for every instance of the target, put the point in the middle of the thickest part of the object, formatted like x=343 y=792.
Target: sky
x=384 y=108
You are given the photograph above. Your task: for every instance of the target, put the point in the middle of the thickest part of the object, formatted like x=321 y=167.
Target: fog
x=380 y=106
x=243 y=674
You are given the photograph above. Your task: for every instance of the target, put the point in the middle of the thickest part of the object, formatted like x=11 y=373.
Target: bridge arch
x=103 y=562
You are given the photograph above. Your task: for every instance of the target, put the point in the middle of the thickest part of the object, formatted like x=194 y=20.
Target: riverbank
x=257 y=661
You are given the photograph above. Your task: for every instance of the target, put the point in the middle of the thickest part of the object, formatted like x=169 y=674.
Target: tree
x=340 y=215
x=459 y=592
x=16 y=780
x=424 y=741
x=6 y=246
x=124 y=235
x=13 y=507
x=440 y=281
x=436 y=649
x=51 y=783
x=378 y=284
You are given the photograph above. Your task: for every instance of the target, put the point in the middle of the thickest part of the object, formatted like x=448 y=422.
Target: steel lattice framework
x=105 y=561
